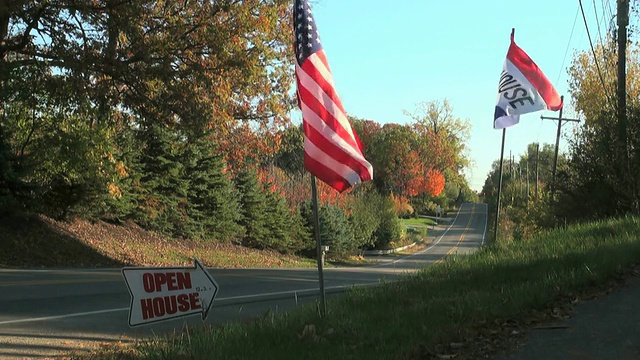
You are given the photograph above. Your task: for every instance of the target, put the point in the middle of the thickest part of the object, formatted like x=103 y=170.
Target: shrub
x=390 y=228
x=364 y=219
x=335 y=229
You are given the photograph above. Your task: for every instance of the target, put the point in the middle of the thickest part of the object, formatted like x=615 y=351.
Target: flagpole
x=316 y=221
x=495 y=228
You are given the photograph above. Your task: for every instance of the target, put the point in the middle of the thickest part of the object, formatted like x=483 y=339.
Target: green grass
x=420 y=222
x=450 y=302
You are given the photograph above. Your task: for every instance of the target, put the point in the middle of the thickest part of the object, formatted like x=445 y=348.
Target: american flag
x=332 y=151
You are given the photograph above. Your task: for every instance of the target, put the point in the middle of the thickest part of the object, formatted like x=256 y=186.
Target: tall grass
x=443 y=303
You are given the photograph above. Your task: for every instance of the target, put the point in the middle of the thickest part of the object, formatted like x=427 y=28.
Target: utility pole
x=560 y=119
x=537 y=167
x=520 y=178
x=623 y=21
x=511 y=165
x=527 y=175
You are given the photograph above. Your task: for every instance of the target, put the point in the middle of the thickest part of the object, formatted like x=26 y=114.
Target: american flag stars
x=307 y=37
x=332 y=152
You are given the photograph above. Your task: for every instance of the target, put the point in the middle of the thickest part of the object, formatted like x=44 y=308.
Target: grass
x=452 y=308
x=419 y=222
x=37 y=241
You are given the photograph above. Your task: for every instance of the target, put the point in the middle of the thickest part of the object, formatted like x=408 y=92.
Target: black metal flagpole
x=495 y=228
x=316 y=220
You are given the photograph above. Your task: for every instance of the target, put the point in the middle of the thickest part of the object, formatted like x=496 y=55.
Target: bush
x=364 y=218
x=335 y=229
x=390 y=228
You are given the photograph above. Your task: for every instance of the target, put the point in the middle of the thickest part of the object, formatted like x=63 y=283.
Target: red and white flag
x=332 y=151
x=523 y=88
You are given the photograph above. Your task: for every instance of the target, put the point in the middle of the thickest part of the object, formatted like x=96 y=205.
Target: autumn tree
x=194 y=65
x=603 y=164
x=595 y=185
x=445 y=134
x=593 y=90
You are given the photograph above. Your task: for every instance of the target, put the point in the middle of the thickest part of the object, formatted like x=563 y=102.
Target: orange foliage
x=402 y=205
x=330 y=196
x=244 y=146
x=434 y=182
x=414 y=174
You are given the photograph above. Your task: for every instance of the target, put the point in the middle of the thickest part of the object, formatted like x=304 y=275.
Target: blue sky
x=387 y=56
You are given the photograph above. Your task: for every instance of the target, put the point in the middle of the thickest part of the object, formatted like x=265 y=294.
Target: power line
x=595 y=11
x=605 y=49
x=566 y=51
x=608 y=14
x=595 y=58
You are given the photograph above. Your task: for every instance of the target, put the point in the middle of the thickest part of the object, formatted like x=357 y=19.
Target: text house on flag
x=523 y=88
x=332 y=150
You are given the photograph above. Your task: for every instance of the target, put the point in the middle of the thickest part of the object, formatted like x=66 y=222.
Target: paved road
x=46 y=313
x=605 y=328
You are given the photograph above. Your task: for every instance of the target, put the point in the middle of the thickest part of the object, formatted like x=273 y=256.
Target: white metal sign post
x=163 y=293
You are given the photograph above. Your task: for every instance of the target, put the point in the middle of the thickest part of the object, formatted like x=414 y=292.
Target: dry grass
x=37 y=241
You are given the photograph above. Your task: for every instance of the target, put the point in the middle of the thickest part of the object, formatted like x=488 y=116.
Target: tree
x=596 y=184
x=335 y=229
x=213 y=208
x=111 y=65
x=163 y=199
x=590 y=95
x=445 y=134
x=253 y=209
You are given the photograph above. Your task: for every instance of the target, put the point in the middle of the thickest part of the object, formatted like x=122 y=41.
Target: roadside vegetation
x=31 y=241
x=148 y=136
x=466 y=307
x=597 y=178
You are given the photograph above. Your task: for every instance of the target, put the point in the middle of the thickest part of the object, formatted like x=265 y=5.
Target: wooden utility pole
x=537 y=166
x=623 y=21
x=527 y=175
x=560 y=119
x=519 y=178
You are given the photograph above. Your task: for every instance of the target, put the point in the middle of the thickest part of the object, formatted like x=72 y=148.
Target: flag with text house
x=332 y=150
x=523 y=88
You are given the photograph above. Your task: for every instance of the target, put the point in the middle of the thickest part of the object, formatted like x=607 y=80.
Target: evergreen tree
x=279 y=223
x=335 y=229
x=163 y=186
x=253 y=209
x=213 y=207
x=121 y=200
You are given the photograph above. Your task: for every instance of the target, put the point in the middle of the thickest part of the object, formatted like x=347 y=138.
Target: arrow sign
x=163 y=293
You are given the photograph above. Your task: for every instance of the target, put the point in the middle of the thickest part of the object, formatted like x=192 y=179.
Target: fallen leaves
x=47 y=242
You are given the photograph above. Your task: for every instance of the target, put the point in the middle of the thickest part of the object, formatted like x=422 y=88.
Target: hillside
x=38 y=241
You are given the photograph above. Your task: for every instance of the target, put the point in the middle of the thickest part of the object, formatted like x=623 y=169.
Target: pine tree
x=335 y=229
x=121 y=200
x=253 y=209
x=163 y=186
x=213 y=207
x=279 y=223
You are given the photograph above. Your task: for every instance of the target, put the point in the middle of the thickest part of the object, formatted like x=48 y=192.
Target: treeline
x=175 y=116
x=598 y=178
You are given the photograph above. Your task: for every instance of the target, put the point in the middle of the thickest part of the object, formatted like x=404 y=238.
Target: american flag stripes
x=332 y=151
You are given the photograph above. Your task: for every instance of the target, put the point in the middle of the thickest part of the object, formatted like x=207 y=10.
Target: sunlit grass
x=419 y=222
x=444 y=303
